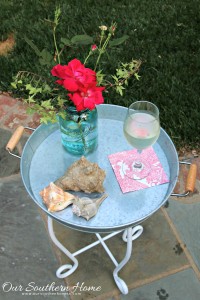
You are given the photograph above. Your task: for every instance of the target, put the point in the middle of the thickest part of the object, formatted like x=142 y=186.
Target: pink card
x=156 y=176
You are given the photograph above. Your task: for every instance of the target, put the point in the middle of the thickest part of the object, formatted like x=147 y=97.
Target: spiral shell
x=86 y=207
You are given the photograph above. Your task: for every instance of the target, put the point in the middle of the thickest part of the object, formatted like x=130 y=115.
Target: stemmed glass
x=141 y=129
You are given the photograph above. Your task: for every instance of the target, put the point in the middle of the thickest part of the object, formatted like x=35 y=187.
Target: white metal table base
x=129 y=235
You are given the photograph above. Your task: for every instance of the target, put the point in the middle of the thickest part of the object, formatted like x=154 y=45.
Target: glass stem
x=137 y=163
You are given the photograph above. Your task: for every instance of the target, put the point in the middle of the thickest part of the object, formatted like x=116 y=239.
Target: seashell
x=55 y=198
x=83 y=175
x=86 y=207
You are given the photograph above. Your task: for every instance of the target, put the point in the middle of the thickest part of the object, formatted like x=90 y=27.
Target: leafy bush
x=164 y=35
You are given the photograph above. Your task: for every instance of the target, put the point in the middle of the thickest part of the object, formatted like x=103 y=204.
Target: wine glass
x=141 y=129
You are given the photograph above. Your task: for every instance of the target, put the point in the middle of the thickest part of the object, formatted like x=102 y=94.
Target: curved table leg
x=135 y=233
x=129 y=235
x=69 y=269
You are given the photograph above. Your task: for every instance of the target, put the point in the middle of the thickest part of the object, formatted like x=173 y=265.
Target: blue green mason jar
x=79 y=132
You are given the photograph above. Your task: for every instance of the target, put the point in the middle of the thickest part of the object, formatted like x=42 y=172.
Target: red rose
x=81 y=82
x=74 y=75
x=87 y=97
x=59 y=71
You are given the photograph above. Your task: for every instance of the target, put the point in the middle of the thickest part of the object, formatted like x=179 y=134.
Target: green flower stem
x=82 y=135
x=87 y=57
x=102 y=50
x=56 y=22
x=55 y=43
x=102 y=35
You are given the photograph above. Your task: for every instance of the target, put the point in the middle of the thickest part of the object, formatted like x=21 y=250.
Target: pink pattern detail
x=157 y=175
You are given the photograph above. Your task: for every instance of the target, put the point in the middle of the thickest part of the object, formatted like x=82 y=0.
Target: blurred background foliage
x=163 y=34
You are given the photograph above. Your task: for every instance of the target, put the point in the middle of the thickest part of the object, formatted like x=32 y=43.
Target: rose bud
x=93 y=47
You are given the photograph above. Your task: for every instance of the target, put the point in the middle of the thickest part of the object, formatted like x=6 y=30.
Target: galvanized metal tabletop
x=44 y=160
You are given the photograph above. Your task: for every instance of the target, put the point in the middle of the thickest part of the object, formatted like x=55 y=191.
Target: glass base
x=78 y=147
x=135 y=170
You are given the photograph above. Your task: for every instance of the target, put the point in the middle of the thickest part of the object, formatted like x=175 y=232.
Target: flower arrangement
x=76 y=84
x=81 y=83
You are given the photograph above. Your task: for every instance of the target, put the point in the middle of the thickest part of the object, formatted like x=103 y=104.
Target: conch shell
x=83 y=175
x=55 y=198
x=86 y=207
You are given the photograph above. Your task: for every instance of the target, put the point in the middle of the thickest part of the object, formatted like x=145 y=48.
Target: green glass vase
x=79 y=131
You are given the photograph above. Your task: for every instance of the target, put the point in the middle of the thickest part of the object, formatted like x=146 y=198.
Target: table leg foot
x=67 y=269
x=129 y=235
x=136 y=232
x=122 y=286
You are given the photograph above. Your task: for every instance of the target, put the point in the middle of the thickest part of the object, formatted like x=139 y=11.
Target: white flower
x=103 y=27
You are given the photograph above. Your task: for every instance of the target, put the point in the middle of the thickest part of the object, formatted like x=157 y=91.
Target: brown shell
x=83 y=175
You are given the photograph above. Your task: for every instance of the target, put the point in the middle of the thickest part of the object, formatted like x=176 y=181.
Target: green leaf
x=29 y=87
x=31 y=100
x=30 y=110
x=118 y=41
x=35 y=90
x=82 y=40
x=119 y=89
x=65 y=41
x=46 y=104
x=60 y=101
x=121 y=73
x=32 y=45
x=14 y=85
x=100 y=77
x=62 y=114
x=47 y=89
x=115 y=78
x=43 y=62
x=44 y=120
x=137 y=76
x=46 y=55
x=38 y=108
x=32 y=91
x=46 y=58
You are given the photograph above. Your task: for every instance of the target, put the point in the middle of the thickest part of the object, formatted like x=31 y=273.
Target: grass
x=163 y=34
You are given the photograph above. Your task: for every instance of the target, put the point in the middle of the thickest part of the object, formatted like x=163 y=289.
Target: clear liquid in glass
x=141 y=130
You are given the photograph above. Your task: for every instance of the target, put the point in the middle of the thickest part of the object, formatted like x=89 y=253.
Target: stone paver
x=13 y=113
x=8 y=164
x=25 y=252
x=187 y=221
x=180 y=286
x=153 y=255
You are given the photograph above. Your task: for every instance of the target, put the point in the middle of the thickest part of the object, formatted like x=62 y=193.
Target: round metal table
x=44 y=160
